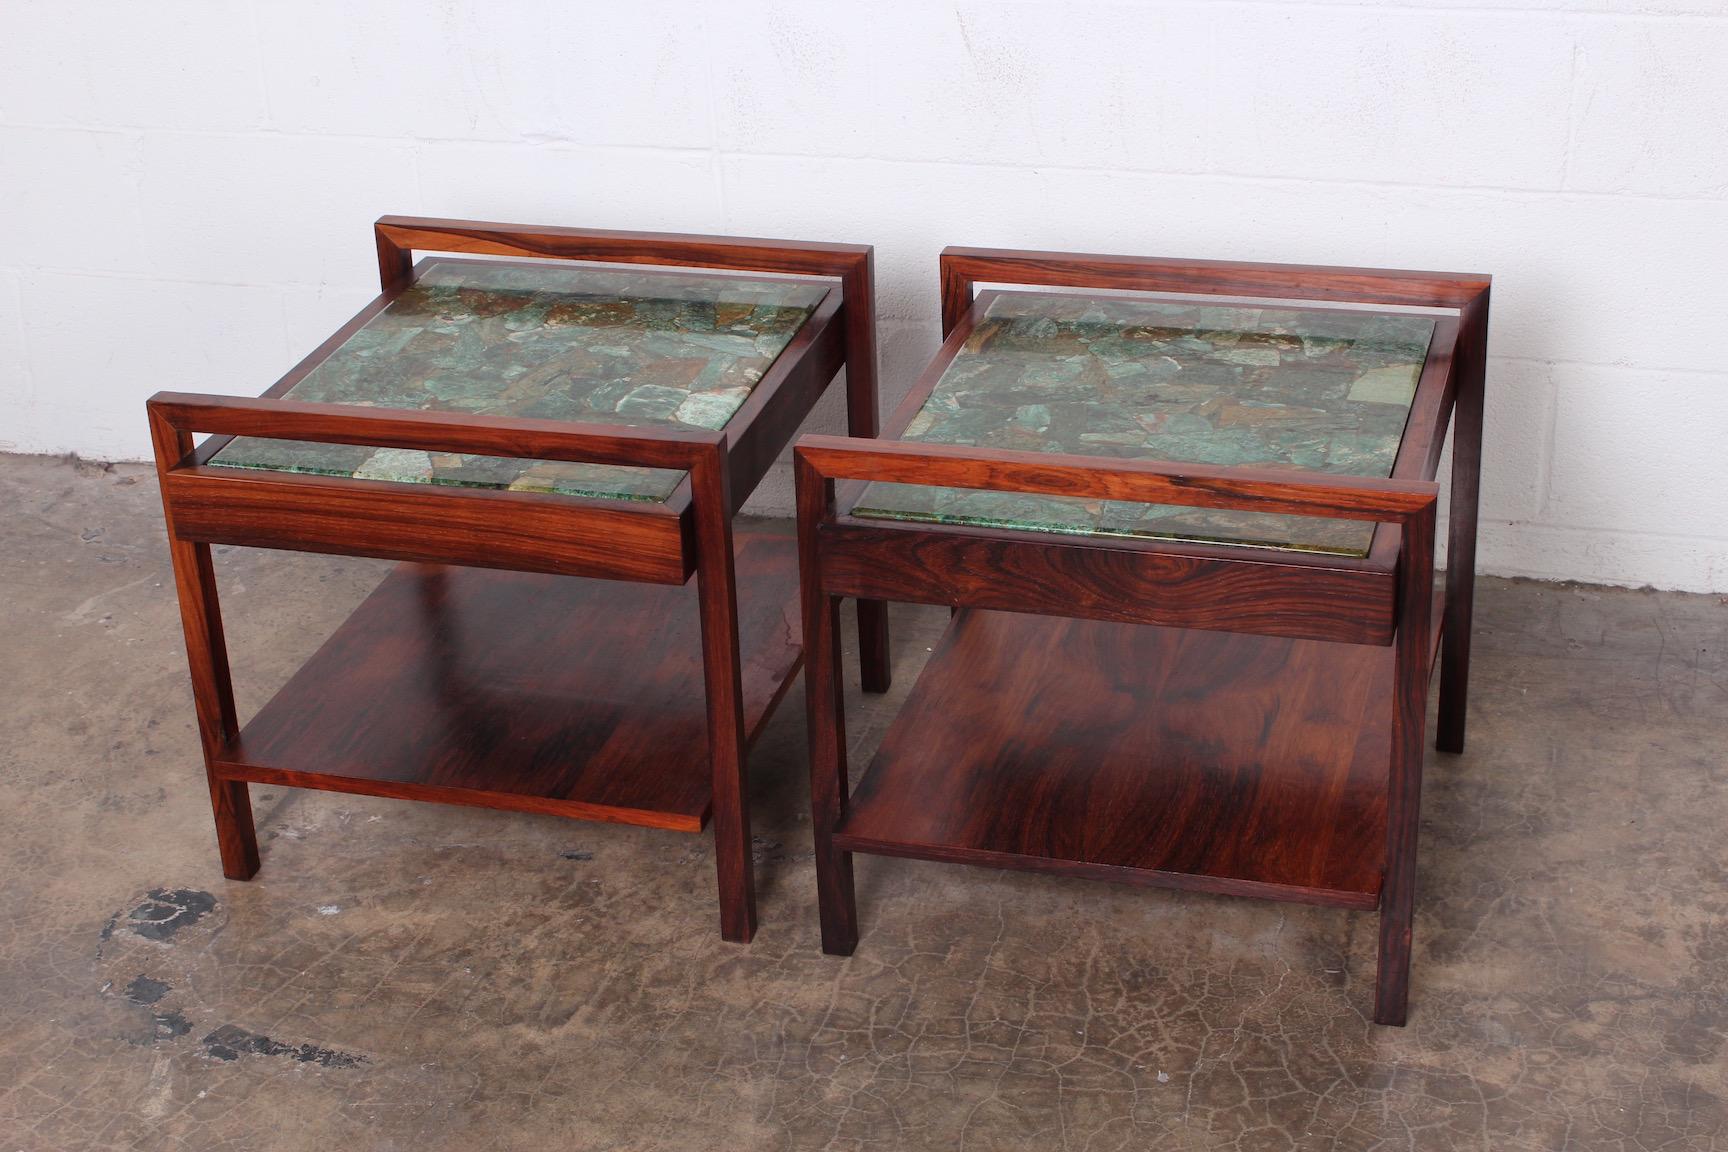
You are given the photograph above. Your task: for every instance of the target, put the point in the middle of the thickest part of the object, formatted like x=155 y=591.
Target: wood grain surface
x=535 y=693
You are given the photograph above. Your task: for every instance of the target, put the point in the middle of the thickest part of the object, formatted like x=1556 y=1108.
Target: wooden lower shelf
x=534 y=693
x=1202 y=760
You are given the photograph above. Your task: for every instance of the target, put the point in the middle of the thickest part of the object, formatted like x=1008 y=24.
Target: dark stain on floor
x=230 y=1043
x=168 y=910
x=156 y=1024
x=171 y=1025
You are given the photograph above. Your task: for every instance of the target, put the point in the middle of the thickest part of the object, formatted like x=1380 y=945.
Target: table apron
x=525 y=532
x=1299 y=600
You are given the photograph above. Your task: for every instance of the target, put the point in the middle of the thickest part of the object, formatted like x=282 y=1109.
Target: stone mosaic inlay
x=552 y=342
x=1133 y=378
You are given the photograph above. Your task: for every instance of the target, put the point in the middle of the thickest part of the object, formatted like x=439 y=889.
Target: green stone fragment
x=710 y=409
x=398 y=464
x=1393 y=385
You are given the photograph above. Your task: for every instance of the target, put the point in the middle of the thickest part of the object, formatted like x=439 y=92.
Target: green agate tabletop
x=552 y=342
x=1134 y=378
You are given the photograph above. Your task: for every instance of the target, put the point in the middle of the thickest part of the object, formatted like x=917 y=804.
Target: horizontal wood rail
x=961 y=268
x=509 y=437
x=533 y=532
x=399 y=235
x=1287 y=491
x=1096 y=579
x=523 y=531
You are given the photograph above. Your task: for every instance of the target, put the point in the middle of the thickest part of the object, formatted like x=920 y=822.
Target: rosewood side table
x=552 y=448
x=1189 y=541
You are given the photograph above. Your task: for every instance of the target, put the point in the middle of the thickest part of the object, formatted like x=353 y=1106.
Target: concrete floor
x=406 y=976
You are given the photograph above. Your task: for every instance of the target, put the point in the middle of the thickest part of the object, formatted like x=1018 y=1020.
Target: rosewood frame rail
x=1384 y=598
x=691 y=532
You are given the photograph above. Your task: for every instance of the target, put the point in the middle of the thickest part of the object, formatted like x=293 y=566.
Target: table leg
x=838 y=904
x=826 y=723
x=213 y=697
x=207 y=663
x=874 y=658
x=716 y=587
x=1412 y=662
x=1461 y=532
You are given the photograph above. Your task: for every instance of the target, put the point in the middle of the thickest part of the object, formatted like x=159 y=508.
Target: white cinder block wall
x=186 y=188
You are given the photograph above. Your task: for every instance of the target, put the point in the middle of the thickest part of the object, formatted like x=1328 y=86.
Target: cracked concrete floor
x=406 y=976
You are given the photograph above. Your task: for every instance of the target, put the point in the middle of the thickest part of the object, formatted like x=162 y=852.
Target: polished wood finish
x=1413 y=662
x=525 y=692
x=716 y=587
x=557 y=537
x=825 y=716
x=1282 y=490
x=666 y=249
x=434 y=431
x=1089 y=748
x=562 y=535
x=961 y=268
x=1461 y=531
x=1095 y=581
x=874 y=656
x=1425 y=431
x=207 y=662
x=771 y=414
x=1230 y=719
